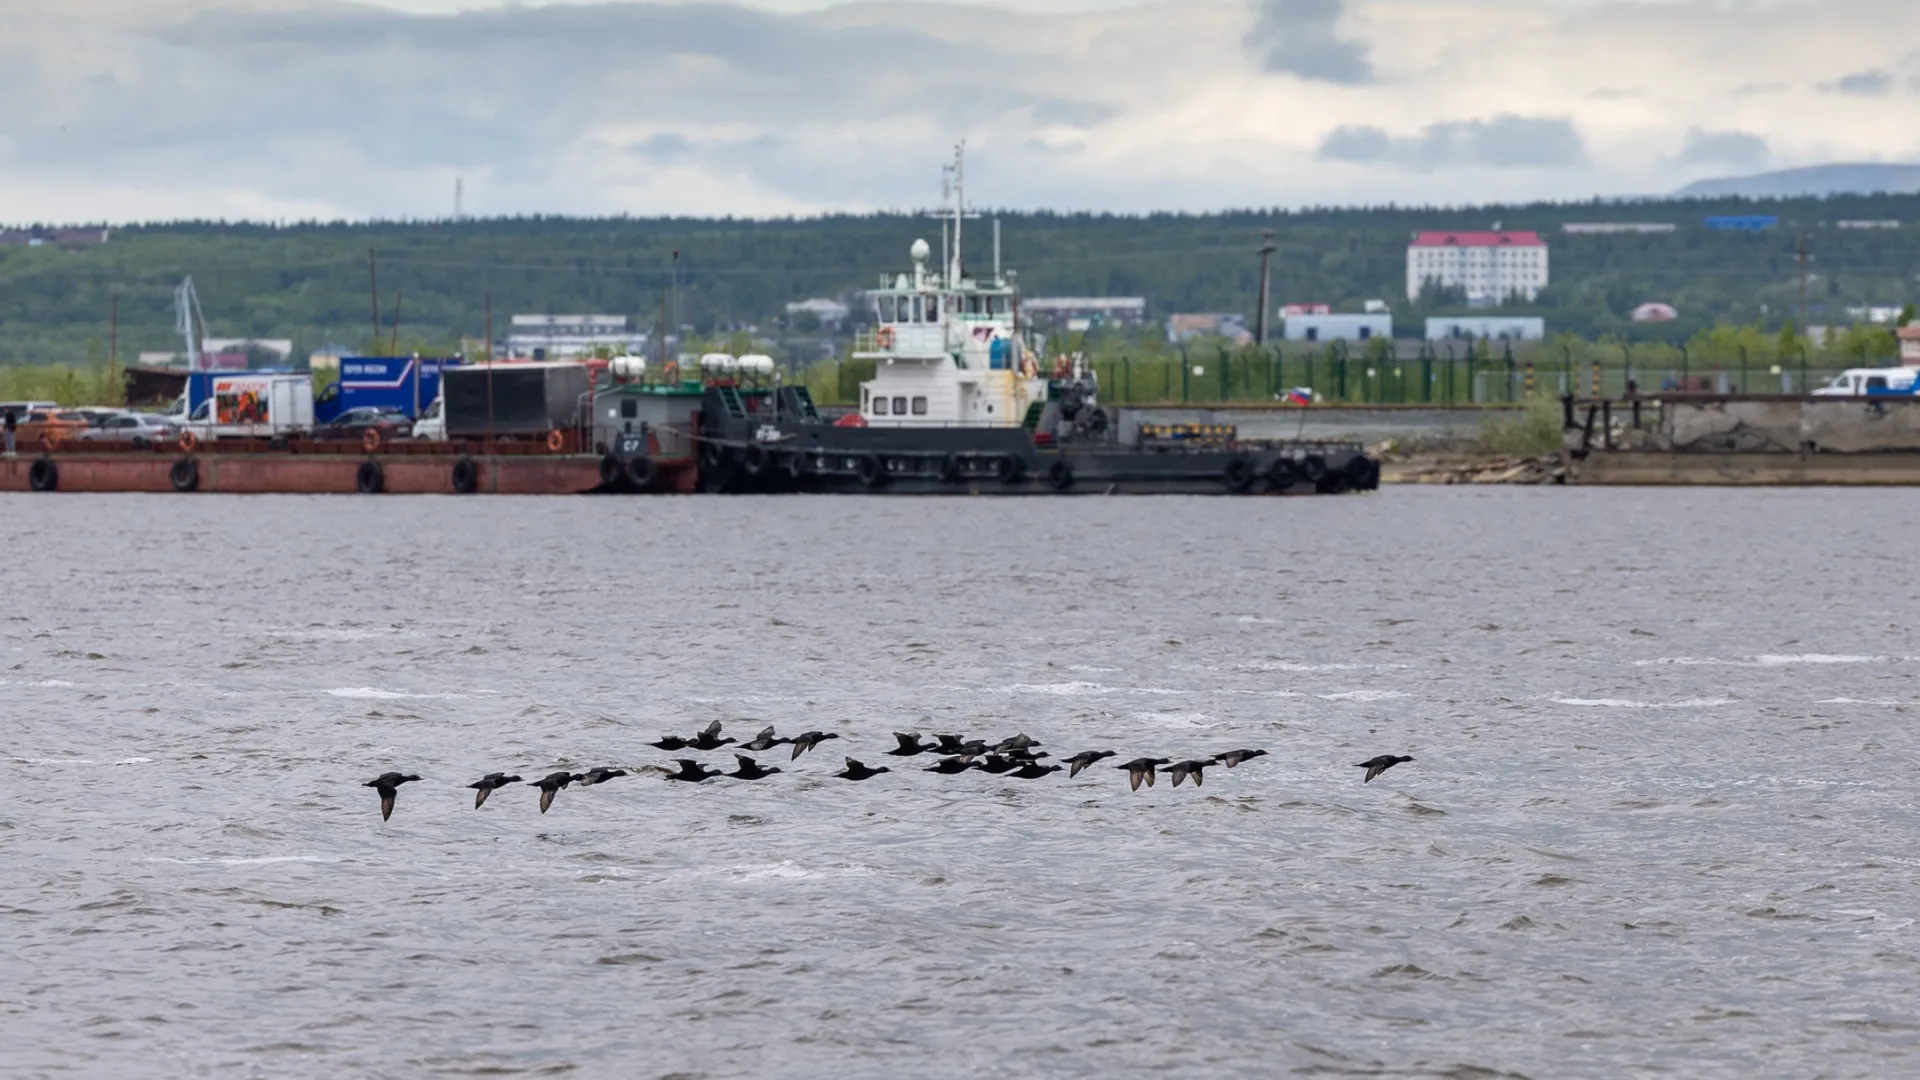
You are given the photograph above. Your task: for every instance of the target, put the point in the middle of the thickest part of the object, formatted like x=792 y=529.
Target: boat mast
x=959 y=209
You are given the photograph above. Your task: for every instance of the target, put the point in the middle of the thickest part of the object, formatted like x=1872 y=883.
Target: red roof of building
x=1479 y=239
x=1909 y=332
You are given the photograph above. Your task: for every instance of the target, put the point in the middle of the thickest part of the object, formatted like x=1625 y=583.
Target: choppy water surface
x=1662 y=818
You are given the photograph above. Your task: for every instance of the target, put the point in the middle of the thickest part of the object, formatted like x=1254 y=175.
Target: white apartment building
x=1490 y=266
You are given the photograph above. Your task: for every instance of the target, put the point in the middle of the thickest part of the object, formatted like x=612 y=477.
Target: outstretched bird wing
x=386 y=803
x=480 y=796
x=546 y=798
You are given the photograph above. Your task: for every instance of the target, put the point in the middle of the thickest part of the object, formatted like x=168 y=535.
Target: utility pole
x=373 y=294
x=1266 y=259
x=1800 y=256
x=113 y=342
x=393 y=348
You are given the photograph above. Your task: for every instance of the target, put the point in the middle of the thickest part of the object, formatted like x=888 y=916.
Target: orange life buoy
x=50 y=438
x=371 y=440
x=885 y=337
x=555 y=441
x=189 y=442
x=670 y=371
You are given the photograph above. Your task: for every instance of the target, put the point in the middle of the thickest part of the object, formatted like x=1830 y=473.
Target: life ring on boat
x=1060 y=474
x=884 y=338
x=670 y=372
x=370 y=479
x=872 y=470
x=555 y=440
x=1238 y=474
x=189 y=442
x=1282 y=474
x=466 y=477
x=754 y=459
x=185 y=475
x=370 y=441
x=641 y=472
x=43 y=475
x=611 y=469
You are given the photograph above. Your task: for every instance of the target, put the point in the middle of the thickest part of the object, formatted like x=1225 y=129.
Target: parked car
x=392 y=424
x=141 y=429
x=51 y=425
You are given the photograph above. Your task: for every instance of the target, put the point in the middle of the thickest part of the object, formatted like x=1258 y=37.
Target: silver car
x=141 y=429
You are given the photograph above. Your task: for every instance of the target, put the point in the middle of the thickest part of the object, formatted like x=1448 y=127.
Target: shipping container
x=526 y=399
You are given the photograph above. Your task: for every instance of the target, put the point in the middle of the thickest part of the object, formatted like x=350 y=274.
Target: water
x=1661 y=818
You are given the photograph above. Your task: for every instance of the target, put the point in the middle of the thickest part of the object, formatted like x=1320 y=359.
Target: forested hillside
x=310 y=282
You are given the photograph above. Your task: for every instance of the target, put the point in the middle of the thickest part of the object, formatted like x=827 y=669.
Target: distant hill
x=1816 y=181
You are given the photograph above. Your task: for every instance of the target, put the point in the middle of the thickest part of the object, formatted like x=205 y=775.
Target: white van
x=1871 y=382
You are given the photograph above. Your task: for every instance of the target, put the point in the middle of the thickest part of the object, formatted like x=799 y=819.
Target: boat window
x=886 y=309
x=1876 y=382
x=899 y=406
x=629 y=408
x=933 y=309
x=879 y=406
x=999 y=305
x=919 y=406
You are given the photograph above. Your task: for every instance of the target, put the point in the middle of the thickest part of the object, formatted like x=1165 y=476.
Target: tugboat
x=963 y=402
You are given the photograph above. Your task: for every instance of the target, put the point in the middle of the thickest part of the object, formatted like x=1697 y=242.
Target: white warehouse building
x=1489 y=266
x=1338 y=327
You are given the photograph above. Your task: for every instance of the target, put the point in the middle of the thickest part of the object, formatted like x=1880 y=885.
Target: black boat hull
x=812 y=457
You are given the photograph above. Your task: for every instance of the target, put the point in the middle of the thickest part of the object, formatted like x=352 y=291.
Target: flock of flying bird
x=1015 y=756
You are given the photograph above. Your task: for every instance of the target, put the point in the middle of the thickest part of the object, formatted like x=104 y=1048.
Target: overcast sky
x=149 y=109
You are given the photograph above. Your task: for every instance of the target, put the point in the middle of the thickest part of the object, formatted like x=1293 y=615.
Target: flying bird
x=1376 y=766
x=951 y=765
x=1235 y=757
x=669 y=742
x=1083 y=759
x=1185 y=769
x=388 y=785
x=750 y=769
x=708 y=738
x=484 y=786
x=549 y=784
x=763 y=741
x=857 y=771
x=692 y=771
x=1033 y=770
x=909 y=745
x=1141 y=769
x=807 y=740
x=597 y=776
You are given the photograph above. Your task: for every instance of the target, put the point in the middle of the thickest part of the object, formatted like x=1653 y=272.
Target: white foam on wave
x=1627 y=703
x=53 y=761
x=1253 y=620
x=788 y=870
x=376 y=694
x=52 y=683
x=1362 y=695
x=1080 y=688
x=255 y=861
x=1770 y=660
x=1883 y=702
x=1179 y=719
x=133 y=761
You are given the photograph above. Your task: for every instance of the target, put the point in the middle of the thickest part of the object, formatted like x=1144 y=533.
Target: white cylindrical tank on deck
x=628 y=367
x=756 y=364
x=717 y=361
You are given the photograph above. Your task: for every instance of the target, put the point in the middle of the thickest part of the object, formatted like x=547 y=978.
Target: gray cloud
x=1504 y=142
x=1861 y=84
x=1753 y=88
x=1302 y=37
x=1735 y=149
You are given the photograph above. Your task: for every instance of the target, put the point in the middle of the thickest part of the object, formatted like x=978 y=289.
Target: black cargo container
x=528 y=399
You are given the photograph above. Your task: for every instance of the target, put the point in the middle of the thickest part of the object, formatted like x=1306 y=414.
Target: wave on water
x=1362 y=695
x=1771 y=660
x=133 y=761
x=39 y=683
x=51 y=761
x=255 y=861
x=1626 y=703
x=1887 y=702
x=375 y=693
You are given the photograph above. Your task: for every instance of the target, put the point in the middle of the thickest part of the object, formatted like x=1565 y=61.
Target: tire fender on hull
x=370 y=478
x=184 y=475
x=466 y=476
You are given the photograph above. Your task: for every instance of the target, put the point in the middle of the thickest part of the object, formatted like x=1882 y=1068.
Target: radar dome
x=920 y=251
